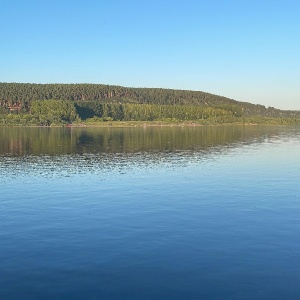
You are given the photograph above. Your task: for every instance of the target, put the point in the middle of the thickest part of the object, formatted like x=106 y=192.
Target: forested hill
x=20 y=95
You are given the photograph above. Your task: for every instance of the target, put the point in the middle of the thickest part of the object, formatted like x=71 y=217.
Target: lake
x=208 y=212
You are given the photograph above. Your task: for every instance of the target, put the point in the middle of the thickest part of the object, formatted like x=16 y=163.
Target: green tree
x=54 y=111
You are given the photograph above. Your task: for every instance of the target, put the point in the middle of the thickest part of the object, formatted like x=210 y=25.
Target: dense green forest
x=54 y=104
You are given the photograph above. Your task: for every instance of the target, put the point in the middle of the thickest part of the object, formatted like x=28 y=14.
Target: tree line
x=60 y=112
x=56 y=104
x=17 y=97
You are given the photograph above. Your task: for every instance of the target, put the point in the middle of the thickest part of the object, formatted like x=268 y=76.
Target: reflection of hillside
x=65 y=152
x=61 y=141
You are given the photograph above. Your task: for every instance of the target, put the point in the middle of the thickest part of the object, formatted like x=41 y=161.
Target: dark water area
x=150 y=213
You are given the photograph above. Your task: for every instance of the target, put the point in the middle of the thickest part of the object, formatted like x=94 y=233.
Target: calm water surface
x=150 y=213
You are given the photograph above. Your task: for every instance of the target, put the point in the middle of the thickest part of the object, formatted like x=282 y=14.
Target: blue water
x=221 y=223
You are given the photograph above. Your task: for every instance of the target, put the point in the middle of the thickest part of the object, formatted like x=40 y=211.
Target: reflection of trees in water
x=60 y=141
x=63 y=152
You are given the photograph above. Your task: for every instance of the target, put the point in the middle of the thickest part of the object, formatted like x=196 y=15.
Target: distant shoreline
x=153 y=124
x=135 y=124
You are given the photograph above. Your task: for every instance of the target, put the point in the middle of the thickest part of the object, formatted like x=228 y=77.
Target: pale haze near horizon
x=244 y=50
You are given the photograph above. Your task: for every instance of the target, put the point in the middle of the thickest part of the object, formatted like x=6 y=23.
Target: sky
x=247 y=50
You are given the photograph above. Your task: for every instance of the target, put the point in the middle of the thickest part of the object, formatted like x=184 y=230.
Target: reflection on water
x=60 y=141
x=64 y=151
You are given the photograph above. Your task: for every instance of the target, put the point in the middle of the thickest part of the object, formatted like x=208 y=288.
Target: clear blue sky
x=248 y=50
